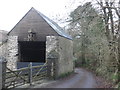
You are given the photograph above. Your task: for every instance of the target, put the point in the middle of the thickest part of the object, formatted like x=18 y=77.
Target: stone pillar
x=2 y=73
x=51 y=54
x=52 y=68
x=55 y=67
x=12 y=47
x=49 y=68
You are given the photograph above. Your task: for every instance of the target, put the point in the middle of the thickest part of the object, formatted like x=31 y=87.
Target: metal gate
x=24 y=75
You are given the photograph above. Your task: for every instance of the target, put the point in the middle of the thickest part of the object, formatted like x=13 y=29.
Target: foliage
x=93 y=48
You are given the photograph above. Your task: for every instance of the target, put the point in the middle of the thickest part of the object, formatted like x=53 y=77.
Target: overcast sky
x=11 y=11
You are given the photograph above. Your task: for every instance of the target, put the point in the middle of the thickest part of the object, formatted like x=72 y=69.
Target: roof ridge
x=54 y=25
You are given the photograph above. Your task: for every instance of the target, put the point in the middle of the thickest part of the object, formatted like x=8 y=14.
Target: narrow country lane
x=82 y=79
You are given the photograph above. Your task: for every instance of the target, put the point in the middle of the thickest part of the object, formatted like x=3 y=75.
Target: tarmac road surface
x=81 y=79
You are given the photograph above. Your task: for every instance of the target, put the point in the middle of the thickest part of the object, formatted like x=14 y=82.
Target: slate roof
x=54 y=25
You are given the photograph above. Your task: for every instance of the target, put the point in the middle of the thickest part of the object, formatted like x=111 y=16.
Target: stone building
x=36 y=38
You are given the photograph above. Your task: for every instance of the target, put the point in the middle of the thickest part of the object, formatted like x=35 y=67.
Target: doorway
x=32 y=51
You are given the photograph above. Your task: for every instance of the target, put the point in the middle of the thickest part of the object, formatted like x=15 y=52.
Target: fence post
x=2 y=73
x=30 y=73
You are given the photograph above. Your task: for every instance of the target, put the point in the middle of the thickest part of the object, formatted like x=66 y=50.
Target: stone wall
x=60 y=49
x=12 y=51
x=8 y=50
x=51 y=44
x=3 y=50
x=3 y=36
x=65 y=61
x=56 y=46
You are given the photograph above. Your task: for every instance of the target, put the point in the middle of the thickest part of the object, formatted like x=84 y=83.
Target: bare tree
x=111 y=16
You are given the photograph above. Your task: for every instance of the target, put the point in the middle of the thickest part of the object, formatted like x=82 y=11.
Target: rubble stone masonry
x=56 y=46
x=62 y=50
x=12 y=51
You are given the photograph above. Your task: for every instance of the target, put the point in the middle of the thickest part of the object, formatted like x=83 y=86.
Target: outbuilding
x=36 y=38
